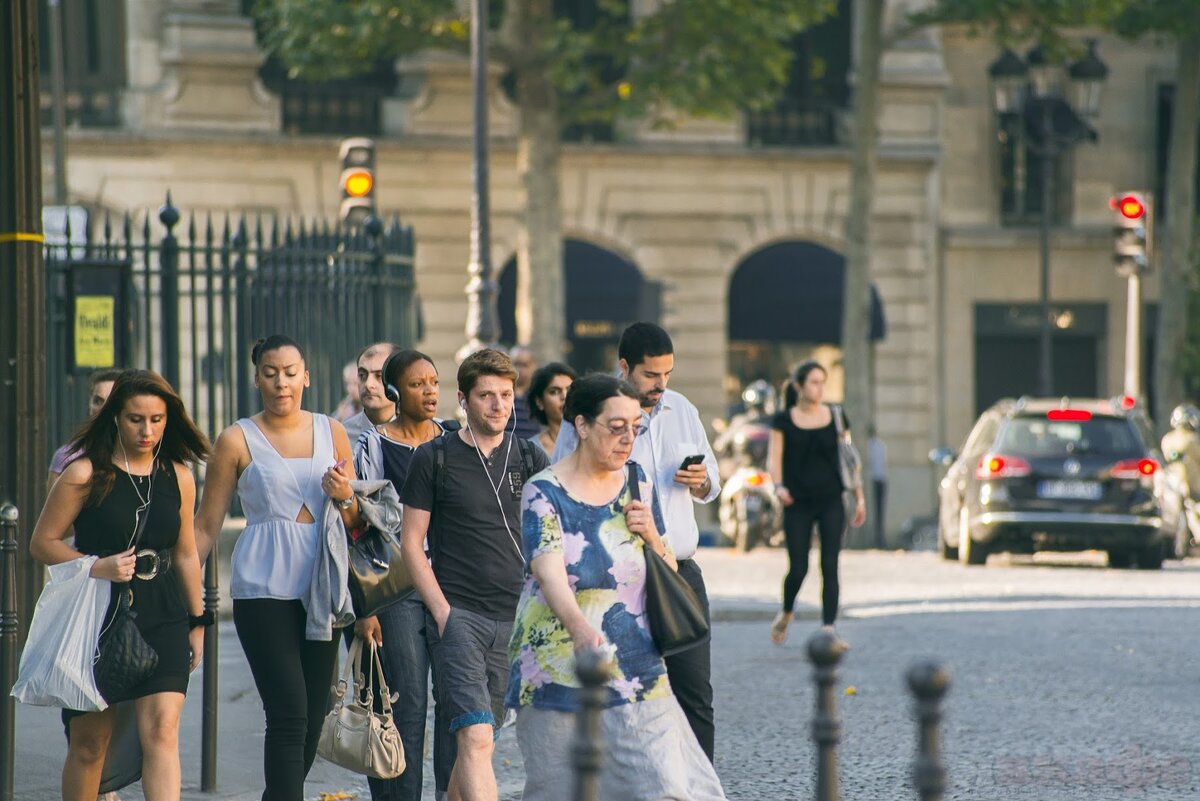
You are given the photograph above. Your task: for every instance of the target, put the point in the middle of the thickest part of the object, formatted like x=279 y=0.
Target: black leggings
x=798 y=519
x=293 y=676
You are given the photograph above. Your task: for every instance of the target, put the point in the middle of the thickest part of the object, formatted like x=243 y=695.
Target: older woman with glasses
x=584 y=541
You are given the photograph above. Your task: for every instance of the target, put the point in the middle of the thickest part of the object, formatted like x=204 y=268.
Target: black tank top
x=107 y=527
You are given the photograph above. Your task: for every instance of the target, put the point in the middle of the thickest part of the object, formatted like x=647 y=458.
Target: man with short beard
x=463 y=492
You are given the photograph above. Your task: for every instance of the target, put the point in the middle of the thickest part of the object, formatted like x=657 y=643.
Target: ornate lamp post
x=482 y=318
x=1053 y=118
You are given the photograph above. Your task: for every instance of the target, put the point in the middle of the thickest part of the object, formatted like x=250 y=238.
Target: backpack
x=439 y=470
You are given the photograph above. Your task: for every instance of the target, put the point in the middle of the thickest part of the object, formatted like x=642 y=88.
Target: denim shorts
x=470 y=665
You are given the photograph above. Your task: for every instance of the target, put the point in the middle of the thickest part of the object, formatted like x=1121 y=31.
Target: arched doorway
x=785 y=305
x=604 y=291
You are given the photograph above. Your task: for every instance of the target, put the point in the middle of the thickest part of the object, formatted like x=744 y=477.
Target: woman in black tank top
x=803 y=459
x=135 y=465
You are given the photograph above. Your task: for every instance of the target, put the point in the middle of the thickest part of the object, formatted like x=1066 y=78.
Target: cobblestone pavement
x=1070 y=682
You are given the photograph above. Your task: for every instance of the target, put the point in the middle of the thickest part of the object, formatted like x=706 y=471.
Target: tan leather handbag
x=354 y=735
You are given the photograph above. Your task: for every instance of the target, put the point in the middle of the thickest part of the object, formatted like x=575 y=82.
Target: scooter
x=749 y=511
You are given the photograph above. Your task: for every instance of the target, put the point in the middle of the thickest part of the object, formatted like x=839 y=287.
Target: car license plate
x=1070 y=490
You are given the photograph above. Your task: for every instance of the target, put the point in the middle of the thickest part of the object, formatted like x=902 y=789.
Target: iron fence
x=794 y=124
x=190 y=298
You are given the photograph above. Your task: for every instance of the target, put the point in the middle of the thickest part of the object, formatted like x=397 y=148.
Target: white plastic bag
x=56 y=665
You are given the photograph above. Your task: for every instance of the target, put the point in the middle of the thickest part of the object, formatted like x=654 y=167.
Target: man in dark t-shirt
x=469 y=507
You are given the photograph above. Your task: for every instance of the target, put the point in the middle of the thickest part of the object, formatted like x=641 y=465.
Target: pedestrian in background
x=377 y=408
x=525 y=363
x=803 y=460
x=100 y=384
x=674 y=448
x=386 y=451
x=877 y=469
x=350 y=404
x=284 y=463
x=462 y=500
x=585 y=537
x=547 y=394
x=135 y=464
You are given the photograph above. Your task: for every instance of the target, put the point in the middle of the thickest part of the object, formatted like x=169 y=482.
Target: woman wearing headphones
x=410 y=381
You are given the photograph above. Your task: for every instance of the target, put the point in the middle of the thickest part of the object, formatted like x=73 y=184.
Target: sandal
x=779 y=628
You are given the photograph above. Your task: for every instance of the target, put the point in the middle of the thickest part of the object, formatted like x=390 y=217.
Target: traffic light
x=1131 y=232
x=357 y=180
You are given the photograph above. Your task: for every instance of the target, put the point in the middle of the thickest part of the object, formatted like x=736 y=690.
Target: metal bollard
x=593 y=671
x=9 y=625
x=825 y=651
x=208 y=714
x=929 y=682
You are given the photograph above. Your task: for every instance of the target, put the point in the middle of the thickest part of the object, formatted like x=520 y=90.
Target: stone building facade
x=687 y=207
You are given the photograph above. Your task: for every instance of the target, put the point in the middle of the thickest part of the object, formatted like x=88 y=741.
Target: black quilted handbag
x=124 y=659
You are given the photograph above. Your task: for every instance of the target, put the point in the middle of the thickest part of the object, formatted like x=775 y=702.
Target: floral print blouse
x=606 y=568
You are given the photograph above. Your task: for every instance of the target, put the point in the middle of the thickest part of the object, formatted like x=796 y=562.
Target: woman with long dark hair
x=803 y=460
x=284 y=463
x=547 y=395
x=135 y=464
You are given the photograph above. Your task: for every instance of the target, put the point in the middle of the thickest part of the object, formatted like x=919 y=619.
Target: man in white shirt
x=672 y=432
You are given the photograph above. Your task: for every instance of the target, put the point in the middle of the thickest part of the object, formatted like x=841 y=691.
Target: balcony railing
x=87 y=107
x=794 y=124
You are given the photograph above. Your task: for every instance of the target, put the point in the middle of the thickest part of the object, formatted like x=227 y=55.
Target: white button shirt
x=672 y=431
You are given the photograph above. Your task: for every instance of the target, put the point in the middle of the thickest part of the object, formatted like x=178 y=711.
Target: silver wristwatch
x=346 y=503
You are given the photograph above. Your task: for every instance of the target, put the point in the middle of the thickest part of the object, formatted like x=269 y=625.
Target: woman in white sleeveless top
x=283 y=462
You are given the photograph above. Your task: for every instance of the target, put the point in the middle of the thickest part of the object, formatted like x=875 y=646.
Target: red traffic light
x=1130 y=207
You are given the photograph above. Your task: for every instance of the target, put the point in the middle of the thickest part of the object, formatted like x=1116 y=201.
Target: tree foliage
x=702 y=57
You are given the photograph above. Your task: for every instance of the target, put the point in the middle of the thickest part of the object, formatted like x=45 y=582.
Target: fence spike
x=226 y=241
x=107 y=229
x=168 y=215
x=191 y=232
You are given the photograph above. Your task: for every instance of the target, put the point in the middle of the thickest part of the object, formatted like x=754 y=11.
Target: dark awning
x=792 y=292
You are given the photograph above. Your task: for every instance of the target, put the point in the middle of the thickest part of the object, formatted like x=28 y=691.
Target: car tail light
x=756 y=479
x=1075 y=415
x=1134 y=468
x=996 y=466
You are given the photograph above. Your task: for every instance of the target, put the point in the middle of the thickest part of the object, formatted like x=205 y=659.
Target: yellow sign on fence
x=95 y=331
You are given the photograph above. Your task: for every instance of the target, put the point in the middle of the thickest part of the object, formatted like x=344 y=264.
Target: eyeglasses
x=621 y=429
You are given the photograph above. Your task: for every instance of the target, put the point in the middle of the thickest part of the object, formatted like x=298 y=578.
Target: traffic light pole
x=1133 y=336
x=1046 y=331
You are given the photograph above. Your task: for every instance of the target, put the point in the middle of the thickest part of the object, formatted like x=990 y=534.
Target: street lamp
x=1053 y=122
x=482 y=318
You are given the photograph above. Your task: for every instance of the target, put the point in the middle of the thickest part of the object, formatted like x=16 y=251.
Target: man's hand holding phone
x=693 y=474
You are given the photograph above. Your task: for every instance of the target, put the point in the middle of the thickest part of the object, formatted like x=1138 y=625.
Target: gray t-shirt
x=476 y=559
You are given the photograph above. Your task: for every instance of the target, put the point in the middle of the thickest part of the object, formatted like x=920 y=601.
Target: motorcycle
x=749 y=512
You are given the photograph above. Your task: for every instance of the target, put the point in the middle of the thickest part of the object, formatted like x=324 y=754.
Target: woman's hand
x=119 y=567
x=369 y=630
x=196 y=641
x=336 y=481
x=784 y=495
x=640 y=520
x=583 y=636
x=860 y=513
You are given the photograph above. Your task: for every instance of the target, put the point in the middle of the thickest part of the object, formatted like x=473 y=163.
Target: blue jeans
x=406 y=668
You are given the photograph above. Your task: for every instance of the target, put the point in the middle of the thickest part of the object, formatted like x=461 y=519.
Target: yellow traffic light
x=357 y=182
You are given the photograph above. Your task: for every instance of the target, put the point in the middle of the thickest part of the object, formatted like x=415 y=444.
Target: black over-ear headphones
x=389 y=386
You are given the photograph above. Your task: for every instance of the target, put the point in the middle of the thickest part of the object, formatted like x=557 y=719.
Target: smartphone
x=697 y=458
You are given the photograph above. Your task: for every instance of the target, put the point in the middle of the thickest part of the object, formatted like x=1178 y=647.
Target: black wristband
x=205 y=618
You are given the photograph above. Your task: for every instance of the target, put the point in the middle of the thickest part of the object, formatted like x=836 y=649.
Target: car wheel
x=1120 y=559
x=1151 y=557
x=969 y=551
x=948 y=552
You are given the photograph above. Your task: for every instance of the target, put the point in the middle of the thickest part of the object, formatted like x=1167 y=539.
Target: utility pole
x=22 y=287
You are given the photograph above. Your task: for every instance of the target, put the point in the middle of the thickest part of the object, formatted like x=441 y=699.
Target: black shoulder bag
x=673 y=612
x=124 y=660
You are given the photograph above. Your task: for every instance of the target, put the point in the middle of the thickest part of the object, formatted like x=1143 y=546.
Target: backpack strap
x=526 y=449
